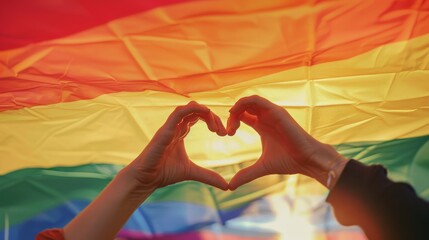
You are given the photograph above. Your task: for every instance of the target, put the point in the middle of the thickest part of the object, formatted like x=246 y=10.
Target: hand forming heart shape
x=164 y=161
x=286 y=147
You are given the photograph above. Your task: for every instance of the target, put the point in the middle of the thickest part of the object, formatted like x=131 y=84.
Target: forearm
x=106 y=215
x=163 y=162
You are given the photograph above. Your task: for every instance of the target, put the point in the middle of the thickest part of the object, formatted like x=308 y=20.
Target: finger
x=210 y=120
x=184 y=127
x=247 y=175
x=167 y=132
x=233 y=124
x=253 y=104
x=181 y=112
x=221 y=128
x=207 y=176
x=189 y=120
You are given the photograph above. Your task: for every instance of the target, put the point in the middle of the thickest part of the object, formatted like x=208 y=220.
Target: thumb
x=207 y=176
x=246 y=175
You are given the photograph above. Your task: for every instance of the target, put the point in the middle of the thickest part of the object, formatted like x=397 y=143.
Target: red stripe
x=23 y=22
x=337 y=36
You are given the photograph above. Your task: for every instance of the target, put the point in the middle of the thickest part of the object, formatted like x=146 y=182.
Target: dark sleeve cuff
x=364 y=196
x=350 y=180
x=353 y=195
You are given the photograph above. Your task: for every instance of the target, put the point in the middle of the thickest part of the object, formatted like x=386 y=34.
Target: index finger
x=167 y=132
x=252 y=104
x=181 y=112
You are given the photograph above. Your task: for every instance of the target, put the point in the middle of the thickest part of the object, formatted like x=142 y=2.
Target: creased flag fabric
x=84 y=85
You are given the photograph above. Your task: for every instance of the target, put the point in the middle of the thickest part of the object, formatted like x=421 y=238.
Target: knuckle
x=253 y=98
x=179 y=109
x=192 y=103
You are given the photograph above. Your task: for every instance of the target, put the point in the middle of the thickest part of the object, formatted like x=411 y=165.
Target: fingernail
x=230 y=131
x=222 y=132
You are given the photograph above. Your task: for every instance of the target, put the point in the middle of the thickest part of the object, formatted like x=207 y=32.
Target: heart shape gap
x=207 y=149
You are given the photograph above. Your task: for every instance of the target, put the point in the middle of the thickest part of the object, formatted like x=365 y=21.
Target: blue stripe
x=158 y=218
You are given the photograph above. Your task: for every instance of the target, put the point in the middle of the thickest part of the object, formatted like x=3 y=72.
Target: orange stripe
x=200 y=46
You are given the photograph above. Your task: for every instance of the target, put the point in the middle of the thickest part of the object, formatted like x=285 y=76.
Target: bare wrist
x=132 y=176
x=325 y=165
x=335 y=171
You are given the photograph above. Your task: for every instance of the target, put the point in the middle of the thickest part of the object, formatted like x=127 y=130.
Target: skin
x=286 y=149
x=163 y=162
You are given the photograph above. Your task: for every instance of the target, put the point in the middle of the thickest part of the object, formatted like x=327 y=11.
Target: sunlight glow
x=281 y=221
x=209 y=150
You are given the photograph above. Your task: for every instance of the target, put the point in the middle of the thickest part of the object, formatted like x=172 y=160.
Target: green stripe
x=27 y=192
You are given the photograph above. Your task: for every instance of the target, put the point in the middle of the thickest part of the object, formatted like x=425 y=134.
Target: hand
x=164 y=161
x=286 y=147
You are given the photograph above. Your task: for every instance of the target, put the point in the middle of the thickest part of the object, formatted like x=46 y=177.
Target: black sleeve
x=364 y=196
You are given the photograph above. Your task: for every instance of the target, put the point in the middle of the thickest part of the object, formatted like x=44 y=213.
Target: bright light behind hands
x=210 y=150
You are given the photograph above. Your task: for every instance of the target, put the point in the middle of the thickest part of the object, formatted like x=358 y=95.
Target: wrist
x=135 y=186
x=334 y=172
x=325 y=165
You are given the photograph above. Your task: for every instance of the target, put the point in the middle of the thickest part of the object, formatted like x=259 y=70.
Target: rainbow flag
x=84 y=85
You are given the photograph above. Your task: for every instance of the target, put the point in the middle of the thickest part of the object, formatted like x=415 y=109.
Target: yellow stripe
x=390 y=99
